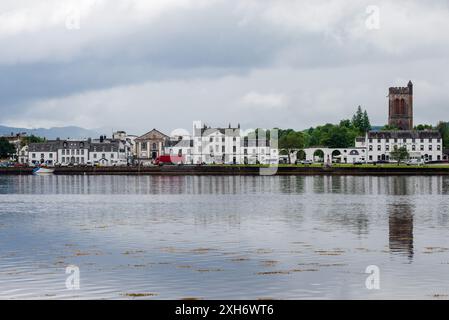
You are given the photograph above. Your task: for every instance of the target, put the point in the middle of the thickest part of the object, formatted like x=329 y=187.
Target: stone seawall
x=235 y=170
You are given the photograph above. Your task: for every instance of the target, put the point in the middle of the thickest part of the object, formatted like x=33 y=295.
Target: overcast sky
x=137 y=65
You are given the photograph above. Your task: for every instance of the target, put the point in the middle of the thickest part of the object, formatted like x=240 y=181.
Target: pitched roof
x=405 y=134
x=153 y=134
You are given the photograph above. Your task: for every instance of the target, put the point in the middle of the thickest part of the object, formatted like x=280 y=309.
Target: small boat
x=41 y=170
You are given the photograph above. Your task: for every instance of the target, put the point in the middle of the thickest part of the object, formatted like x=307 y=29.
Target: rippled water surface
x=224 y=237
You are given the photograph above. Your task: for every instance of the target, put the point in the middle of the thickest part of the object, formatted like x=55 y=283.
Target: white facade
x=79 y=152
x=229 y=146
x=424 y=145
x=43 y=157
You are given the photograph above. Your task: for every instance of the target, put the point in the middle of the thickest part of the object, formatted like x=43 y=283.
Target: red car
x=20 y=165
x=161 y=160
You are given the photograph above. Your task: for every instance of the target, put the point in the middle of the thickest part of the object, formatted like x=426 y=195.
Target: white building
x=424 y=145
x=79 y=152
x=229 y=146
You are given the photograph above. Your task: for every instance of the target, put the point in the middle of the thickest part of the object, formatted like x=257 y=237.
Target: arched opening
x=318 y=156
x=402 y=107
x=396 y=106
x=301 y=155
x=336 y=156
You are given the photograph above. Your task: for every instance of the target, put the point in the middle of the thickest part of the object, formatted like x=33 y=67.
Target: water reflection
x=400 y=223
x=223 y=185
x=222 y=237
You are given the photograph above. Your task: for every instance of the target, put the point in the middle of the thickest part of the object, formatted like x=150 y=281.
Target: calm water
x=224 y=237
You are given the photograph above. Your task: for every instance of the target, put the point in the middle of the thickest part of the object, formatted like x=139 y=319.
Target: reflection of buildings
x=401 y=229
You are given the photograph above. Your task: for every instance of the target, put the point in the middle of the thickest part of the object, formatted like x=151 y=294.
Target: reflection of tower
x=400 y=107
x=401 y=229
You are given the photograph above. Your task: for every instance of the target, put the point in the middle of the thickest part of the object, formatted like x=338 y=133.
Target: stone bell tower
x=401 y=107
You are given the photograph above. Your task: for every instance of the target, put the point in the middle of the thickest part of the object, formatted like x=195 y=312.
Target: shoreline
x=237 y=170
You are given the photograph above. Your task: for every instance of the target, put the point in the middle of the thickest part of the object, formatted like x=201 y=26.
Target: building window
x=42 y=156
x=95 y=156
x=422 y=148
x=180 y=153
x=154 y=146
x=439 y=147
x=413 y=148
x=51 y=155
x=143 y=146
x=370 y=140
x=112 y=156
x=234 y=149
x=387 y=147
x=103 y=156
x=63 y=152
x=223 y=149
x=404 y=140
x=370 y=148
x=430 y=147
x=371 y=157
x=379 y=148
x=430 y=140
x=211 y=139
x=379 y=141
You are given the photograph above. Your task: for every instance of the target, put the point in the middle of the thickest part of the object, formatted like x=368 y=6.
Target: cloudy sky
x=139 y=64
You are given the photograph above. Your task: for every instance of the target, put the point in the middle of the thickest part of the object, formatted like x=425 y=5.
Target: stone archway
x=318 y=155
x=336 y=156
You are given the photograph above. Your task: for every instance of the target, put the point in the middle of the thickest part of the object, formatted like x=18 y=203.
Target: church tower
x=401 y=107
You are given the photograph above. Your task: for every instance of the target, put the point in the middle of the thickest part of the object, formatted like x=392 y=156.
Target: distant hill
x=53 y=133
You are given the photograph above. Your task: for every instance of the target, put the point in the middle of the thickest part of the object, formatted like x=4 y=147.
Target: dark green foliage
x=31 y=139
x=6 y=148
x=399 y=154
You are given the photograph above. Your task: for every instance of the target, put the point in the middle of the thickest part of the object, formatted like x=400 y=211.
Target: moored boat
x=41 y=170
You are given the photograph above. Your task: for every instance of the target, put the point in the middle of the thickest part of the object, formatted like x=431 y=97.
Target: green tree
x=291 y=142
x=389 y=127
x=421 y=127
x=6 y=148
x=357 y=118
x=443 y=128
x=399 y=154
x=31 y=139
x=366 y=124
x=361 y=121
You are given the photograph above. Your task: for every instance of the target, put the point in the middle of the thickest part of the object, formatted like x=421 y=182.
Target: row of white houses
x=208 y=145
x=101 y=151
x=205 y=146
x=377 y=146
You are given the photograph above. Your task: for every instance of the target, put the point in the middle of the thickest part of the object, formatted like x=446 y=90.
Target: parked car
x=170 y=160
x=20 y=165
x=306 y=162
x=414 y=162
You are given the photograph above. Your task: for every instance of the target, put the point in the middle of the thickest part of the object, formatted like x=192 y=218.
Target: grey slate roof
x=404 y=134
x=55 y=145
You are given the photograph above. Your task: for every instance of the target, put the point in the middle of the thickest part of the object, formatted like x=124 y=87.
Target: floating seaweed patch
x=139 y=295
